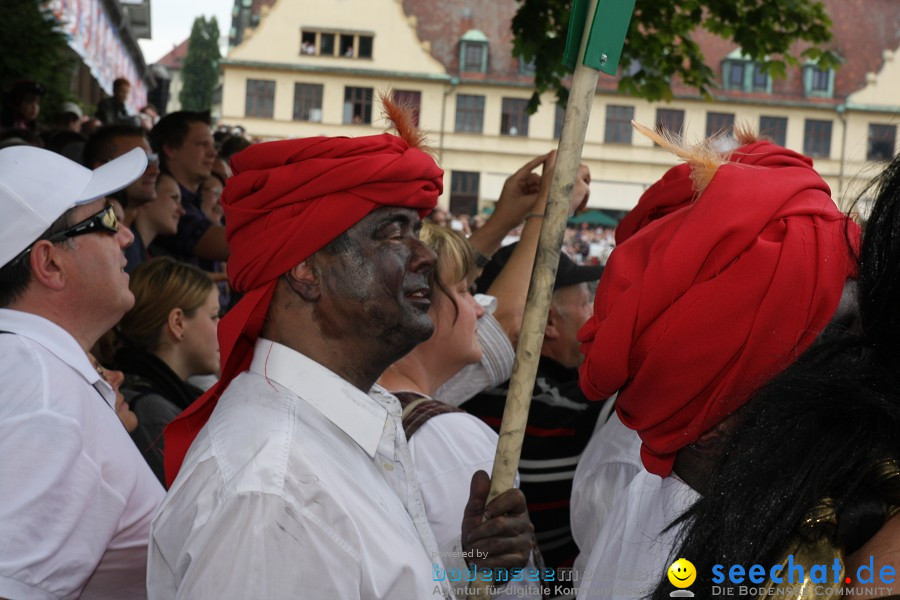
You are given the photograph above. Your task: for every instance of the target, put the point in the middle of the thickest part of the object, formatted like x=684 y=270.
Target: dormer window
x=342 y=44
x=741 y=73
x=473 y=52
x=818 y=83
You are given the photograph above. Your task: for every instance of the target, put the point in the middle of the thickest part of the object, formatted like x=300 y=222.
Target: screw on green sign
x=606 y=35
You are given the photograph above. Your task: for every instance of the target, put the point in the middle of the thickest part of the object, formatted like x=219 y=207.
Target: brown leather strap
x=418 y=408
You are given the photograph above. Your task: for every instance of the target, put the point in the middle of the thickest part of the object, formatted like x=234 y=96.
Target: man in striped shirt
x=561 y=419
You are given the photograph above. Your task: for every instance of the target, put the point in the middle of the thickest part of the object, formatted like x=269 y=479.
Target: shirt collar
x=350 y=409
x=58 y=342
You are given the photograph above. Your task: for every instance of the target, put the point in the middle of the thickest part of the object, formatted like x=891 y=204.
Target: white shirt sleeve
x=61 y=504
x=447 y=450
x=609 y=463
x=252 y=554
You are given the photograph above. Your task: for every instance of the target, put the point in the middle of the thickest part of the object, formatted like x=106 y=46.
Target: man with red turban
x=291 y=478
x=725 y=272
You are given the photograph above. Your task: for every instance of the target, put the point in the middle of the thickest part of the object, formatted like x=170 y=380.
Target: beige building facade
x=316 y=67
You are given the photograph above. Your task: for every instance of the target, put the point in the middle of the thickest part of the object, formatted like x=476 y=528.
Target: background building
x=316 y=67
x=103 y=37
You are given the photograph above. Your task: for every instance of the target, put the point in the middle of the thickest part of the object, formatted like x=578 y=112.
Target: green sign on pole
x=606 y=35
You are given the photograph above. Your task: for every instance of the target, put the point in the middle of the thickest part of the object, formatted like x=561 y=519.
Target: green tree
x=33 y=48
x=201 y=65
x=661 y=42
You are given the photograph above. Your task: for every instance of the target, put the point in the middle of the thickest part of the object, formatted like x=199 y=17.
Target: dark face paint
x=375 y=284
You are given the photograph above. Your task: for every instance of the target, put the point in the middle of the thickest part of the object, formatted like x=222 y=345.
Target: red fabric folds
x=285 y=201
x=707 y=297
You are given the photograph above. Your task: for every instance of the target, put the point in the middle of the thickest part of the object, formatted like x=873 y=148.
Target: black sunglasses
x=105 y=220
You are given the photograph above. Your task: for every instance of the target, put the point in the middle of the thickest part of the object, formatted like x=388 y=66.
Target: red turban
x=707 y=297
x=285 y=201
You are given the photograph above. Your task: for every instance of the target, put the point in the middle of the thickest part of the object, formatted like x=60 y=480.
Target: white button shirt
x=76 y=497
x=447 y=450
x=299 y=486
x=619 y=515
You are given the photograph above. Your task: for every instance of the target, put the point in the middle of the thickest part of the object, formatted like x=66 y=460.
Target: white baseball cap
x=37 y=186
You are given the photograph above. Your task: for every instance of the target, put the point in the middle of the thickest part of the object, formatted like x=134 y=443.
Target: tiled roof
x=862 y=31
x=175 y=57
x=256 y=8
x=443 y=22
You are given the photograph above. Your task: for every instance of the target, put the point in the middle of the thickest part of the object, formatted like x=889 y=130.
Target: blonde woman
x=168 y=336
x=158 y=217
x=448 y=445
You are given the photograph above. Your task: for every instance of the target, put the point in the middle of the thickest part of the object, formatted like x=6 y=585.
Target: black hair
x=233 y=144
x=818 y=430
x=15 y=276
x=173 y=128
x=100 y=147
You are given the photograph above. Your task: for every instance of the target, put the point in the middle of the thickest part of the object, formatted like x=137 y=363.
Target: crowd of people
x=278 y=370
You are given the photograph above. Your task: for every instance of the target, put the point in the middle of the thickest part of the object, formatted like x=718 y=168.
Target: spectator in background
x=160 y=216
x=185 y=145
x=114 y=110
x=115 y=378
x=221 y=168
x=149 y=117
x=22 y=106
x=70 y=117
x=168 y=336
x=439 y=216
x=210 y=198
x=561 y=419
x=112 y=141
x=66 y=142
x=76 y=498
x=232 y=145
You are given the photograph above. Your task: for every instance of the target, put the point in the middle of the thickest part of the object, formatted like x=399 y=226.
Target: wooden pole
x=543 y=276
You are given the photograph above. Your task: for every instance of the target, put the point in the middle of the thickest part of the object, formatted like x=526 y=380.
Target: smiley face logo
x=682 y=573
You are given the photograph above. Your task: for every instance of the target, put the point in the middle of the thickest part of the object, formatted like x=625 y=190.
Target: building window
x=346 y=47
x=365 y=46
x=411 y=100
x=558 y=119
x=514 y=117
x=260 y=100
x=308 y=42
x=474 y=57
x=774 y=128
x=464 y=192
x=760 y=78
x=881 y=142
x=736 y=75
x=818 y=82
x=469 y=113
x=618 y=124
x=741 y=73
x=719 y=123
x=671 y=120
x=357 y=105
x=334 y=43
x=473 y=52
x=817 y=138
x=326 y=44
x=308 y=102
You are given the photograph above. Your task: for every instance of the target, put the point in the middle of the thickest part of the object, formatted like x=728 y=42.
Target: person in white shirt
x=299 y=482
x=727 y=269
x=76 y=498
x=447 y=444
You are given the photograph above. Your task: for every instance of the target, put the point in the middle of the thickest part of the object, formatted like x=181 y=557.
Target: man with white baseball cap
x=76 y=498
